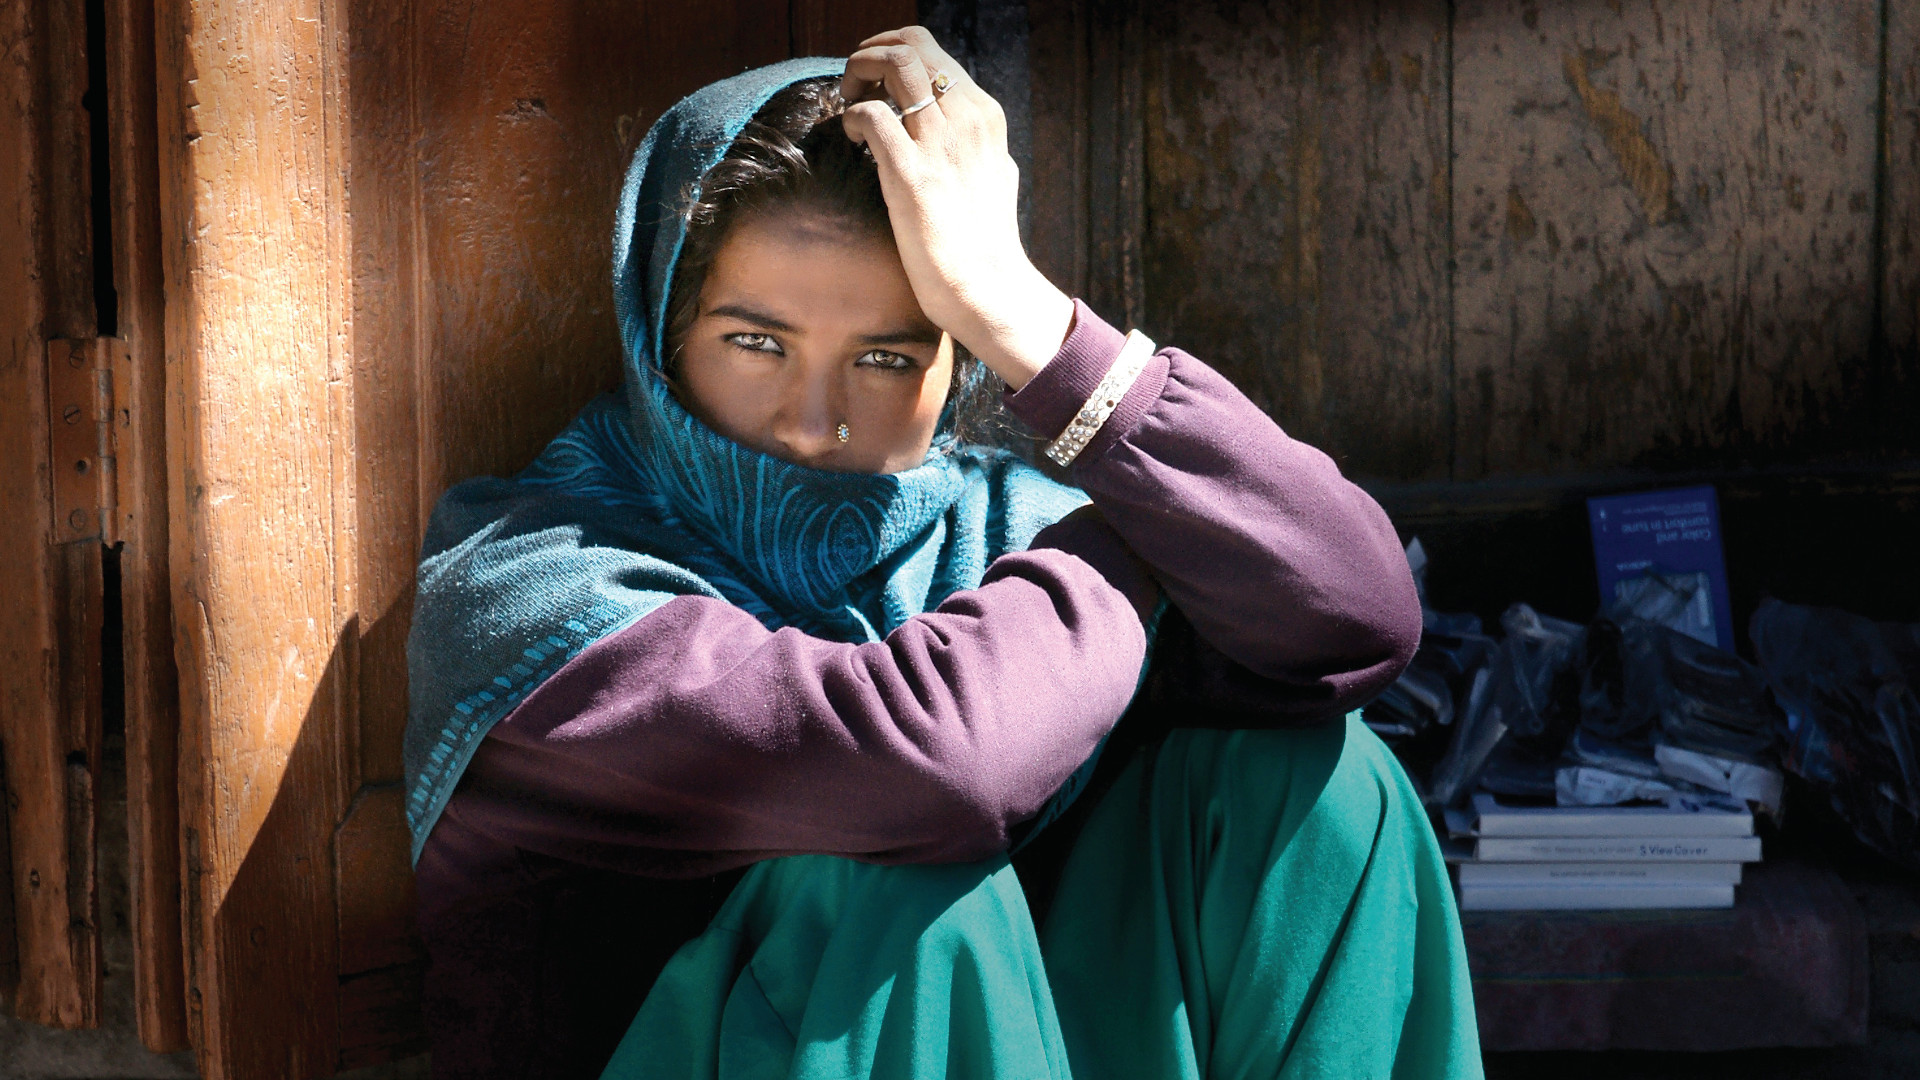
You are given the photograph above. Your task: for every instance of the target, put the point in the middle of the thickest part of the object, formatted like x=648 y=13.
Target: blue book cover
x=1659 y=556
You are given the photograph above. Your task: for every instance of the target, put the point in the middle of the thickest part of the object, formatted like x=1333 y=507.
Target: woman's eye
x=755 y=342
x=891 y=361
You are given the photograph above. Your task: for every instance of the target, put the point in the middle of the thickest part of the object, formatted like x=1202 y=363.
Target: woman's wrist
x=1023 y=330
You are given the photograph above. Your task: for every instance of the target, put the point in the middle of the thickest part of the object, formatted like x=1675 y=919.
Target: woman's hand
x=952 y=193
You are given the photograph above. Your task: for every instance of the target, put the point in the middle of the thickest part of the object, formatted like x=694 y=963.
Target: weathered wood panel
x=522 y=117
x=9 y=930
x=375 y=883
x=1116 y=166
x=1076 y=125
x=380 y=1016
x=151 y=692
x=836 y=27
x=26 y=635
x=252 y=113
x=1297 y=215
x=389 y=289
x=79 y=595
x=1664 y=219
x=1056 y=184
x=50 y=696
x=1899 y=391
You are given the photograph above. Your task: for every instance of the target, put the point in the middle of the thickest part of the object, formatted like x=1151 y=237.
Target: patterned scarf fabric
x=638 y=502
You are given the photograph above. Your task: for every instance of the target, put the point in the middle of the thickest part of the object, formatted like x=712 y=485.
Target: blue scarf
x=638 y=502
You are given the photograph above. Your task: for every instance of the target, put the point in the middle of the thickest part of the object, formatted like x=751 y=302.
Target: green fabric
x=1284 y=911
x=1239 y=904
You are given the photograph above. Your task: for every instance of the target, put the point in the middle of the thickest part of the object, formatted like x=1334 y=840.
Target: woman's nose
x=811 y=409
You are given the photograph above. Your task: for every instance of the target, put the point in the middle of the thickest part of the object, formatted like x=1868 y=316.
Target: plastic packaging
x=1710 y=701
x=1414 y=714
x=1852 y=720
x=1757 y=784
x=1531 y=689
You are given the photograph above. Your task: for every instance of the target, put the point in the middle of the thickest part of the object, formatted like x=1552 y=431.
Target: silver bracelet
x=1105 y=398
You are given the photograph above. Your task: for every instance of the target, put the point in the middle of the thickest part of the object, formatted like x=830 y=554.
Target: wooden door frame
x=151 y=688
x=63 y=245
x=49 y=642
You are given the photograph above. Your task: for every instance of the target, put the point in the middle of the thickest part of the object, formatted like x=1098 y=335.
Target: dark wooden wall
x=1497 y=255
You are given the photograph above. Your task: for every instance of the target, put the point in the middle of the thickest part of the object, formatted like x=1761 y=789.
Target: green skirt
x=1238 y=904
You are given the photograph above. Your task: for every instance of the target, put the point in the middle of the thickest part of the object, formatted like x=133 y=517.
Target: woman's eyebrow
x=749 y=315
x=927 y=335
x=911 y=335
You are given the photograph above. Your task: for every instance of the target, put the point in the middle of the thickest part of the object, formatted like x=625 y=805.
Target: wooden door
x=386 y=235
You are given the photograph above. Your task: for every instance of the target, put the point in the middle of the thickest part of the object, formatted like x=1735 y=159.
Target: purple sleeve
x=1278 y=561
x=696 y=739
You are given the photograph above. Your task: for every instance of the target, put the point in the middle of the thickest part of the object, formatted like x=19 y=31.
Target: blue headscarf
x=638 y=502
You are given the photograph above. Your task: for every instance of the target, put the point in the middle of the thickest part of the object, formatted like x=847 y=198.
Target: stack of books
x=1687 y=854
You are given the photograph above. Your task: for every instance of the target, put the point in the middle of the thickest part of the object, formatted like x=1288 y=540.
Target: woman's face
x=805 y=324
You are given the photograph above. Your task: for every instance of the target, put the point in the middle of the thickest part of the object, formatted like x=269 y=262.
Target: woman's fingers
x=873 y=123
x=900 y=69
x=922 y=41
x=964 y=100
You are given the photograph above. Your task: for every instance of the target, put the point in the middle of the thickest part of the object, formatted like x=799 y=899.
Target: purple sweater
x=697 y=741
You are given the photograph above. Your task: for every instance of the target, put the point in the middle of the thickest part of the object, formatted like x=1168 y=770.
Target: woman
x=738 y=698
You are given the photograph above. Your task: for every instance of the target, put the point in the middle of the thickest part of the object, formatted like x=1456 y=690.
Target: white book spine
x=1593 y=898
x=1598 y=873
x=1618 y=849
x=1496 y=820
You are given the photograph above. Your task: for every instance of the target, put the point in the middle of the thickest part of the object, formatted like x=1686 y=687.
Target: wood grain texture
x=388 y=288
x=252 y=122
x=1116 y=125
x=381 y=956
x=58 y=51
x=837 y=27
x=49 y=700
x=79 y=607
x=523 y=112
x=375 y=884
x=1664 y=222
x=1899 y=392
x=1297 y=216
x=1082 y=167
x=9 y=929
x=380 y=1017
x=1057 y=182
x=26 y=635
x=151 y=689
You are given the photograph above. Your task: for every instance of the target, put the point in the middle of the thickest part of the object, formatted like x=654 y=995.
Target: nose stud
x=842 y=433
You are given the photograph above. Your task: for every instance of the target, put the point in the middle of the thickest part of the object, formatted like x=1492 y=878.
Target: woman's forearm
x=696 y=739
x=1277 y=560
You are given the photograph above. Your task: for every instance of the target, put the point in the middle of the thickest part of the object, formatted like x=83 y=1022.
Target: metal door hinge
x=87 y=414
